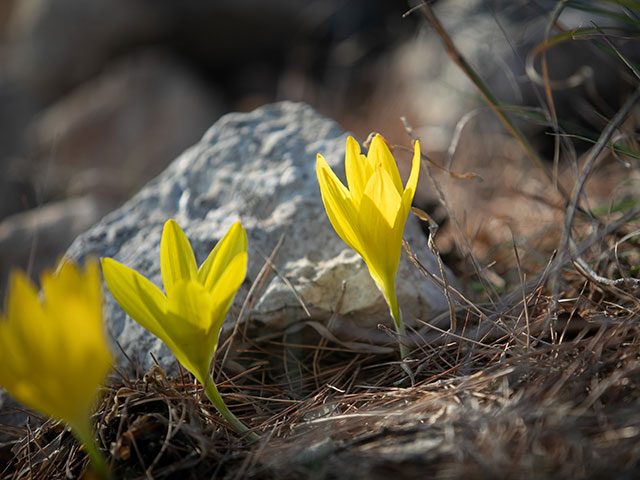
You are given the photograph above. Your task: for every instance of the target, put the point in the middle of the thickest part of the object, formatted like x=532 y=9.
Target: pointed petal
x=54 y=354
x=78 y=341
x=196 y=316
x=231 y=277
x=8 y=376
x=225 y=291
x=22 y=311
x=27 y=318
x=189 y=324
x=177 y=261
x=73 y=303
x=410 y=188
x=137 y=296
x=407 y=196
x=234 y=243
x=382 y=192
x=377 y=215
x=70 y=288
x=22 y=298
x=193 y=303
x=379 y=154
x=358 y=170
x=338 y=204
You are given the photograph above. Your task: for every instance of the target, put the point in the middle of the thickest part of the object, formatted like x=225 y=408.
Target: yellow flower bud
x=371 y=213
x=189 y=315
x=53 y=348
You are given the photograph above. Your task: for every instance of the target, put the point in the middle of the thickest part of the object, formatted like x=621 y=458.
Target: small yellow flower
x=189 y=317
x=53 y=349
x=370 y=215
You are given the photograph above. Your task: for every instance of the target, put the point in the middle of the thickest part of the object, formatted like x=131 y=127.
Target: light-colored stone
x=258 y=168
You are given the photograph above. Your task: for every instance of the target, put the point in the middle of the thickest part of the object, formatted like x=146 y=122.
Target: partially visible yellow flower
x=371 y=213
x=188 y=318
x=54 y=352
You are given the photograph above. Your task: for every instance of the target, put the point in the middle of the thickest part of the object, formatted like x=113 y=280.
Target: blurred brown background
x=98 y=96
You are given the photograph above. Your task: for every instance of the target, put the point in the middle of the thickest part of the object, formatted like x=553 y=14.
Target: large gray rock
x=259 y=168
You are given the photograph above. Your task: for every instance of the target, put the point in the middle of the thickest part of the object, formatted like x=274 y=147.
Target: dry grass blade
x=587 y=168
x=441 y=197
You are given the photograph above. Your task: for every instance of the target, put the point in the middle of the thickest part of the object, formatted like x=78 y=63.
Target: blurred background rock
x=98 y=96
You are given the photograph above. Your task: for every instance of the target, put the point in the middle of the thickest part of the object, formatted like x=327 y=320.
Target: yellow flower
x=189 y=317
x=53 y=349
x=370 y=215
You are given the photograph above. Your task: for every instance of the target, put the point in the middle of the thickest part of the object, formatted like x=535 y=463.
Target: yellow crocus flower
x=371 y=213
x=188 y=318
x=53 y=349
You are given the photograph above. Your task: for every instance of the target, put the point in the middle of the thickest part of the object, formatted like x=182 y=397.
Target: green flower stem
x=84 y=434
x=396 y=314
x=213 y=395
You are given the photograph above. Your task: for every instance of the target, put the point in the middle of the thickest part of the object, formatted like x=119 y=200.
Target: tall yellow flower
x=54 y=351
x=371 y=213
x=189 y=317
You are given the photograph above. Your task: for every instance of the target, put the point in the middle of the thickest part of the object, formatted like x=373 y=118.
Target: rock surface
x=134 y=118
x=33 y=240
x=259 y=168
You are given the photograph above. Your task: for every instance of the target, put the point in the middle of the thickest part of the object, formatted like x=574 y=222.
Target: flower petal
x=338 y=204
x=230 y=278
x=53 y=347
x=137 y=296
x=73 y=309
x=189 y=324
x=193 y=303
x=379 y=154
x=234 y=243
x=376 y=223
x=358 y=170
x=73 y=302
x=196 y=316
x=410 y=188
x=382 y=192
x=225 y=291
x=23 y=313
x=177 y=261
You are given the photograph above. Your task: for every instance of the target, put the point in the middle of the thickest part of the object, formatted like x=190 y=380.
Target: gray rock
x=259 y=168
x=129 y=122
x=35 y=239
x=55 y=45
